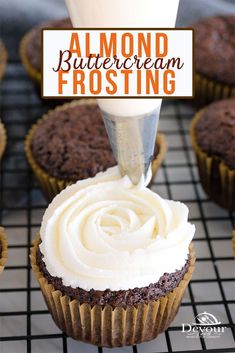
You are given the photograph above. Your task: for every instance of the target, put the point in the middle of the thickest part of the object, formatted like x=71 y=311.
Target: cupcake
x=31 y=48
x=214 y=58
x=3 y=249
x=3 y=59
x=3 y=139
x=213 y=138
x=113 y=260
x=70 y=143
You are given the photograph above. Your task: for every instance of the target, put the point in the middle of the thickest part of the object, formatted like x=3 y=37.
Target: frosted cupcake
x=214 y=58
x=70 y=143
x=3 y=249
x=113 y=260
x=3 y=139
x=31 y=48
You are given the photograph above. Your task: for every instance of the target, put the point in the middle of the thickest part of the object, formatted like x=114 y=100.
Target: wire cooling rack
x=25 y=324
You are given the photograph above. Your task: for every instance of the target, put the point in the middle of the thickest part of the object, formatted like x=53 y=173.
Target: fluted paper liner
x=3 y=139
x=33 y=74
x=3 y=253
x=208 y=90
x=3 y=59
x=50 y=185
x=217 y=179
x=233 y=242
x=107 y=326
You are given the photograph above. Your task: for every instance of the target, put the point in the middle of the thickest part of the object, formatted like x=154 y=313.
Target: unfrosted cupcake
x=213 y=138
x=3 y=139
x=113 y=260
x=3 y=59
x=31 y=48
x=70 y=143
x=3 y=249
x=214 y=58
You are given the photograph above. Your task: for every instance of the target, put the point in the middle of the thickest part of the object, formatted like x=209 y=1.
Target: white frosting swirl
x=104 y=233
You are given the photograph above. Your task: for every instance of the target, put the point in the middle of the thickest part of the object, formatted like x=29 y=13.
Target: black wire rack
x=25 y=324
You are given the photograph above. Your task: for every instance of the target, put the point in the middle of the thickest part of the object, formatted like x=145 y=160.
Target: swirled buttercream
x=105 y=232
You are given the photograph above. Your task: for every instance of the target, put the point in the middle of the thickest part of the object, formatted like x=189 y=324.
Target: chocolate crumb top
x=34 y=47
x=215 y=48
x=215 y=131
x=120 y=298
x=72 y=144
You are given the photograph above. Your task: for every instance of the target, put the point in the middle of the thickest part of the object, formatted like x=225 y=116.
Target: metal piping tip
x=133 y=142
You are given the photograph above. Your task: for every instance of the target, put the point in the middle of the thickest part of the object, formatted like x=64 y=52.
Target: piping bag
x=132 y=137
x=131 y=124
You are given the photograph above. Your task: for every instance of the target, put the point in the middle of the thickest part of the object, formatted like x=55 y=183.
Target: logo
x=114 y=62
x=205 y=325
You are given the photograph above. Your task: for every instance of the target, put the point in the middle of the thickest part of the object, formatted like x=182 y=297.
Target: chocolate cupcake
x=70 y=143
x=31 y=48
x=3 y=59
x=110 y=262
x=3 y=249
x=213 y=138
x=214 y=58
x=3 y=139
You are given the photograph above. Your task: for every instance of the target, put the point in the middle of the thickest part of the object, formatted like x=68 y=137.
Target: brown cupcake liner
x=50 y=185
x=208 y=90
x=111 y=327
x=233 y=242
x=3 y=59
x=217 y=179
x=3 y=253
x=33 y=74
x=3 y=139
